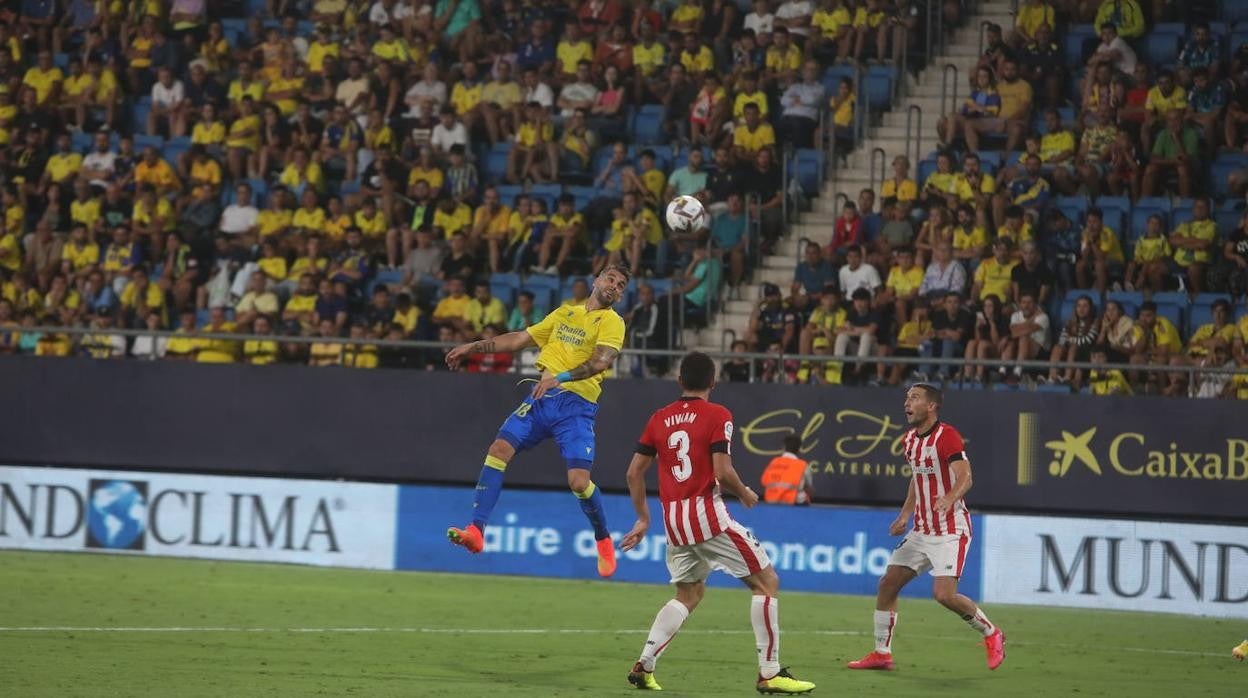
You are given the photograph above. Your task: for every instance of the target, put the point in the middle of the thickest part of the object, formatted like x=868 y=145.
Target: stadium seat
x=1072 y=296
x=1145 y=207
x=549 y=193
x=1076 y=36
x=1227 y=216
x=1223 y=166
x=174 y=147
x=145 y=140
x=1239 y=37
x=877 y=88
x=507 y=193
x=545 y=289
x=504 y=285
x=582 y=195
x=496 y=162
x=648 y=124
x=1116 y=210
x=926 y=167
x=1073 y=206
x=1181 y=213
x=1201 y=310
x=1053 y=388
x=81 y=141
x=1129 y=300
x=834 y=74
x=804 y=167
x=682 y=158
x=1161 y=45
x=989 y=161
x=1173 y=306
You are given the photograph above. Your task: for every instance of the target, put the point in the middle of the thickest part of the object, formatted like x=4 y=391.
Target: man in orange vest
x=787 y=479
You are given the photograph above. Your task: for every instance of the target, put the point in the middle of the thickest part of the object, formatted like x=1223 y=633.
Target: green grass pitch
x=79 y=625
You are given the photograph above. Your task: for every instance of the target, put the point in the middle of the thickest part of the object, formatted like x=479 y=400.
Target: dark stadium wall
x=1030 y=452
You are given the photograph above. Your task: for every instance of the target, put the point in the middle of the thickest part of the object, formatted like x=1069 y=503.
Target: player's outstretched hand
x=456 y=355
x=898 y=526
x=547 y=382
x=635 y=536
x=748 y=498
x=944 y=503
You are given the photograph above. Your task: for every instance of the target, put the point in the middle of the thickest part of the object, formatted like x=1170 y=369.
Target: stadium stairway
x=961 y=51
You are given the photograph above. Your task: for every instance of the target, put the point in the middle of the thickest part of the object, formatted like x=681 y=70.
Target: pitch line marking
x=519 y=631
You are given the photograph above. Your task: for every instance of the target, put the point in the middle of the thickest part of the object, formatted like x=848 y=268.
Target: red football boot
x=875 y=660
x=606 y=557
x=470 y=537
x=994 y=645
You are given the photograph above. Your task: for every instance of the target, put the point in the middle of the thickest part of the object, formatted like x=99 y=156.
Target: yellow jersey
x=753 y=141
x=567 y=338
x=994 y=278
x=206 y=133
x=905 y=281
x=1152 y=249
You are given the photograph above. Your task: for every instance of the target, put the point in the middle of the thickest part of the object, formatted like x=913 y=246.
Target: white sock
x=885 y=621
x=765 y=617
x=978 y=621
x=666 y=624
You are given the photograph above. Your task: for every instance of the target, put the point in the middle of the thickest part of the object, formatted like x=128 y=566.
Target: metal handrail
x=914 y=113
x=724 y=344
x=785 y=157
x=983 y=32
x=944 y=88
x=871 y=178
x=849 y=359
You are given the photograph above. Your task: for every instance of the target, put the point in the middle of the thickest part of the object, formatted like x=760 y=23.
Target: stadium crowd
x=1068 y=216
x=449 y=169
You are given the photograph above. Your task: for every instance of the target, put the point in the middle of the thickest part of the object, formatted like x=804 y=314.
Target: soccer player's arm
x=610 y=341
x=953 y=452
x=505 y=343
x=643 y=457
x=721 y=460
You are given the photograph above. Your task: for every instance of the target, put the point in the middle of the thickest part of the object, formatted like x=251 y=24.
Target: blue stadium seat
x=1073 y=206
x=496 y=162
x=1238 y=37
x=1129 y=300
x=1006 y=388
x=1161 y=48
x=1073 y=295
x=504 y=285
x=582 y=195
x=833 y=75
x=681 y=159
x=545 y=289
x=1181 y=213
x=1053 y=388
x=1222 y=167
x=661 y=287
x=1116 y=210
x=1145 y=207
x=174 y=147
x=663 y=156
x=138 y=116
x=989 y=161
x=1172 y=305
x=877 y=88
x=1201 y=310
x=1234 y=11
x=61 y=60
x=550 y=192
x=80 y=141
x=507 y=193
x=926 y=167
x=648 y=124
x=805 y=167
x=1076 y=35
x=1227 y=216
x=145 y=140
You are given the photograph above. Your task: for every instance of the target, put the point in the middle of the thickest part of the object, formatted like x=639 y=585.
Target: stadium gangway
x=753 y=357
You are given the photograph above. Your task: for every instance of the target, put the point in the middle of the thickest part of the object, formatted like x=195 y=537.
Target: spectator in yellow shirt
x=696 y=57
x=243 y=138
x=301 y=173
x=902 y=286
x=994 y=275
x=753 y=136
x=1193 y=243
x=451 y=217
x=45 y=79
x=782 y=61
x=1155 y=338
x=687 y=18
x=299 y=313
x=535 y=152
x=1164 y=97
x=569 y=52
x=371 y=220
x=62 y=166
x=647 y=180
x=450 y=311
x=484 y=309
x=565 y=229
x=1148 y=269
x=490 y=225
x=154 y=171
x=1030 y=15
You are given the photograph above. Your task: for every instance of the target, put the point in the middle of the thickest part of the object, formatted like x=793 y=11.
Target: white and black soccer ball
x=686 y=214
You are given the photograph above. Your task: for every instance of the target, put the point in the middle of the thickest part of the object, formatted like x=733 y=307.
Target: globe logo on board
x=116 y=514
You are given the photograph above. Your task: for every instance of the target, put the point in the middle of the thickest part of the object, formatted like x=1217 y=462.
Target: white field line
x=529 y=631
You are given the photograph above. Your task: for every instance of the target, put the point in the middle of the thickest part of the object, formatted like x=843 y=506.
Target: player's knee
x=578 y=480
x=943 y=595
x=765 y=582
x=502 y=450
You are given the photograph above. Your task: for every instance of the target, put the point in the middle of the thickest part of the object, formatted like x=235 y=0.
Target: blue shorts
x=563 y=415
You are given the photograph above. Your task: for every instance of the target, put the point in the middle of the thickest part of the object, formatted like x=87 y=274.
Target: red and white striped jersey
x=931 y=456
x=683 y=435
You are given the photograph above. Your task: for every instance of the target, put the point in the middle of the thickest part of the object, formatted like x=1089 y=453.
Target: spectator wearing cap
x=859 y=331
x=772 y=322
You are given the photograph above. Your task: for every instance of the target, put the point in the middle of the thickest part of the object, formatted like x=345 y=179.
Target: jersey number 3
x=679 y=441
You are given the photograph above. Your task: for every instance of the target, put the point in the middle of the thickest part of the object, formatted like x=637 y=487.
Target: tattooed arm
x=601 y=360
x=507 y=343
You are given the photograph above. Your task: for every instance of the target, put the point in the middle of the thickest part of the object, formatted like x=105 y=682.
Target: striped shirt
x=931 y=456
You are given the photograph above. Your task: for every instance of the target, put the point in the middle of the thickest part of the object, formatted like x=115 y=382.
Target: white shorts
x=735 y=551
x=943 y=556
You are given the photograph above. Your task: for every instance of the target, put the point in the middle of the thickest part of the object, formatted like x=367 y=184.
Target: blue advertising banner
x=823 y=549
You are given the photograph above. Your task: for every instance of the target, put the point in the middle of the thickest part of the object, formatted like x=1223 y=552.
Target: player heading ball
x=692 y=438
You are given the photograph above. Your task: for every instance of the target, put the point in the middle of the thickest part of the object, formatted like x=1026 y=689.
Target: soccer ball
x=685 y=214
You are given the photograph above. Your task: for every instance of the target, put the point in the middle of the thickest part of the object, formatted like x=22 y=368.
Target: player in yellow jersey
x=1240 y=651
x=578 y=343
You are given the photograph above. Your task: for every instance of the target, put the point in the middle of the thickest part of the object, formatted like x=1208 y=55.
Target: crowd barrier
x=1031 y=452
x=1091 y=563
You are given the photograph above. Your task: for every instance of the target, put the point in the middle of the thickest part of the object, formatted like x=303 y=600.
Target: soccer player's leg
x=948 y=555
x=574 y=433
x=908 y=560
x=522 y=430
x=1240 y=651
x=689 y=572
x=737 y=552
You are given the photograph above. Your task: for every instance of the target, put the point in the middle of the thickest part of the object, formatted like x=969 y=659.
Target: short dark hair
x=1148 y=306
x=621 y=268
x=697 y=371
x=931 y=392
x=793 y=443
x=860 y=294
